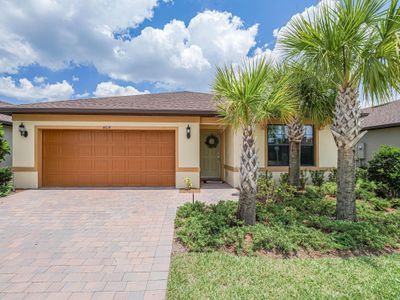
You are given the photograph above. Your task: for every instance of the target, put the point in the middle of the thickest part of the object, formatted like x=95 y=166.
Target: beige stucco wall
x=378 y=137
x=326 y=156
x=24 y=148
x=8 y=135
x=327 y=150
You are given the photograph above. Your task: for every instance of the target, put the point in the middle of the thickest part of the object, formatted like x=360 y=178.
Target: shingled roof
x=177 y=103
x=5 y=119
x=382 y=116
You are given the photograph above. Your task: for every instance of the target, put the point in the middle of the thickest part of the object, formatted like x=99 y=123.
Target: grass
x=221 y=276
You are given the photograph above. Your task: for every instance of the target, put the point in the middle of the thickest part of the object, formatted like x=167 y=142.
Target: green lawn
x=221 y=276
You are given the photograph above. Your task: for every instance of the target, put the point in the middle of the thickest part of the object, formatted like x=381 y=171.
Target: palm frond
x=353 y=43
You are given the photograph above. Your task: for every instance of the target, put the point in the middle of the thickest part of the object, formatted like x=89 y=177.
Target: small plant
x=380 y=204
x=188 y=183
x=265 y=187
x=284 y=178
x=361 y=174
x=284 y=192
x=385 y=168
x=365 y=189
x=314 y=192
x=317 y=177
x=332 y=175
x=303 y=179
x=329 y=188
x=395 y=202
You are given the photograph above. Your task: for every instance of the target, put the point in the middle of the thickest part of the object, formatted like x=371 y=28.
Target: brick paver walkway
x=89 y=244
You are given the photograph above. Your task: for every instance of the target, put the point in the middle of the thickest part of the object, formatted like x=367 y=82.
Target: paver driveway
x=89 y=244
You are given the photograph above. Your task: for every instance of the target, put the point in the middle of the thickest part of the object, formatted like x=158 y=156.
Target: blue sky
x=70 y=51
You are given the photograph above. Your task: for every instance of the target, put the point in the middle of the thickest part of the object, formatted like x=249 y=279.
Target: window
x=278 y=146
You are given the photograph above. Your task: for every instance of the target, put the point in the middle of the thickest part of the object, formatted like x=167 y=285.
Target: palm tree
x=353 y=43
x=316 y=100
x=245 y=95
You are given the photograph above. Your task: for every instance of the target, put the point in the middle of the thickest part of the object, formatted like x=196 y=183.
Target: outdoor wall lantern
x=22 y=130
x=188 y=132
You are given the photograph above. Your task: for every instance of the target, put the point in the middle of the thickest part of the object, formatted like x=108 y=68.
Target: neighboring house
x=383 y=125
x=6 y=121
x=144 y=140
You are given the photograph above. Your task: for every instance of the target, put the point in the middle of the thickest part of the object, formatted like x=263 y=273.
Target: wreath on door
x=212 y=141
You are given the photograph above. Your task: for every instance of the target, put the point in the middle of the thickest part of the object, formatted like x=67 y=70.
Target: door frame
x=39 y=141
x=221 y=133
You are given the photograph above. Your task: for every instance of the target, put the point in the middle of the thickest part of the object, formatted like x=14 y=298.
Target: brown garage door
x=108 y=158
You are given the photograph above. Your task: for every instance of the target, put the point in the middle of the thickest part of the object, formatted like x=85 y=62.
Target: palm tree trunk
x=346 y=132
x=295 y=135
x=346 y=197
x=248 y=178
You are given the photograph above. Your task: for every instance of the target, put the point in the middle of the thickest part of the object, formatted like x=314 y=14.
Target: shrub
x=199 y=226
x=329 y=188
x=317 y=177
x=5 y=190
x=5 y=181
x=302 y=222
x=4 y=146
x=385 y=168
x=5 y=176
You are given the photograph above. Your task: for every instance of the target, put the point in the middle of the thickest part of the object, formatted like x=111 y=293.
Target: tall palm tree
x=353 y=43
x=245 y=95
x=316 y=100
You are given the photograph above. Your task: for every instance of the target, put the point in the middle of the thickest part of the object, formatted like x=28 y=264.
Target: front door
x=210 y=151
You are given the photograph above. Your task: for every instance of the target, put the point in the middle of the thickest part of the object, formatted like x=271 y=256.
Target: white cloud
x=56 y=34
x=107 y=89
x=26 y=91
x=39 y=79
x=179 y=56
x=15 y=51
x=75 y=78
x=83 y=95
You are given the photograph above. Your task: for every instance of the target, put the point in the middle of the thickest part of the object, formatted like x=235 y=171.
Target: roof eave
x=383 y=126
x=96 y=111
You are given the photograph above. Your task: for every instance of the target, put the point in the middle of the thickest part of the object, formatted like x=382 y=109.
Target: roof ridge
x=116 y=97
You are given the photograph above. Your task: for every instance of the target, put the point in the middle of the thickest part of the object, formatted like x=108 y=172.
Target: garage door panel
x=101 y=150
x=135 y=164
x=108 y=158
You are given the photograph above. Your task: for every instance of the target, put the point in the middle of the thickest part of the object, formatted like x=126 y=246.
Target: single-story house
x=144 y=140
x=383 y=125
x=6 y=122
